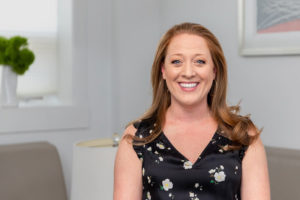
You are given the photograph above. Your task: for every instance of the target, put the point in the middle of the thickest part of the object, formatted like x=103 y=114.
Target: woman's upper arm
x=127 y=171
x=255 y=176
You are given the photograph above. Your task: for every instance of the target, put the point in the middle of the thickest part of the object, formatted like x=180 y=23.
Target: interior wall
x=266 y=85
x=135 y=34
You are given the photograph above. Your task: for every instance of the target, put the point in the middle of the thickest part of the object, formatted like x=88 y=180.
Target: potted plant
x=15 y=57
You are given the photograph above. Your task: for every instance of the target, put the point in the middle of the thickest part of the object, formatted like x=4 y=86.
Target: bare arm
x=255 y=176
x=127 y=171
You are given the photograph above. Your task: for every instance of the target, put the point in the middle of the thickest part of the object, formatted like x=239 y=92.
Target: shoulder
x=127 y=169
x=253 y=132
x=125 y=151
x=130 y=129
x=255 y=172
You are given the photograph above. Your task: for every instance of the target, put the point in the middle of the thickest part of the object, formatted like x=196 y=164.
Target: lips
x=188 y=86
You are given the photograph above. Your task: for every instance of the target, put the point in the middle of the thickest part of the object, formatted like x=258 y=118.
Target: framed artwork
x=269 y=27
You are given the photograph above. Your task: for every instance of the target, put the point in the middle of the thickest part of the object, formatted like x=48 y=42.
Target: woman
x=190 y=144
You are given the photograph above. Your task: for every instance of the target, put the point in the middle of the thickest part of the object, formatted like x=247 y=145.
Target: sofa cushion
x=31 y=171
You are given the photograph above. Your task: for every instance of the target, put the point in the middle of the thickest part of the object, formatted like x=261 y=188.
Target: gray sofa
x=31 y=171
x=284 y=168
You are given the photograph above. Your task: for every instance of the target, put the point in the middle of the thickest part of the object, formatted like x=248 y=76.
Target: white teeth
x=188 y=85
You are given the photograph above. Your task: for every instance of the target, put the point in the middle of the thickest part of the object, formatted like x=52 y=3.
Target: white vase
x=9 y=83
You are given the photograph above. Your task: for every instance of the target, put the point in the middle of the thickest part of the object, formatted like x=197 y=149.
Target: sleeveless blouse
x=167 y=174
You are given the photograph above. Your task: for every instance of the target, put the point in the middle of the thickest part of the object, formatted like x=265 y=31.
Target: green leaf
x=14 y=53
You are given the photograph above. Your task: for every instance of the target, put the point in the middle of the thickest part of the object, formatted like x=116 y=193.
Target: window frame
x=72 y=111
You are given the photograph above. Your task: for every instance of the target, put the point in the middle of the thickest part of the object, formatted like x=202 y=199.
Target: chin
x=191 y=103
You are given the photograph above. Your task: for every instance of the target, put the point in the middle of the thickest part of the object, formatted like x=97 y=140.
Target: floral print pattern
x=167 y=184
x=218 y=174
x=148 y=196
x=160 y=145
x=165 y=170
x=187 y=165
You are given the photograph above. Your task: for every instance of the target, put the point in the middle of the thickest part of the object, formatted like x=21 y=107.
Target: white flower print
x=171 y=196
x=149 y=148
x=220 y=176
x=143 y=171
x=156 y=152
x=160 y=145
x=149 y=179
x=167 y=184
x=150 y=131
x=160 y=158
x=148 y=195
x=187 y=165
x=236 y=170
x=192 y=194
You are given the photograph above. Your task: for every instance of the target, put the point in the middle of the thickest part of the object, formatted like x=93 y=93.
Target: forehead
x=188 y=43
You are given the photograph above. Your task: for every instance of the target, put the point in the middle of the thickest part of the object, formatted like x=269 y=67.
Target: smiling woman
x=190 y=144
x=188 y=69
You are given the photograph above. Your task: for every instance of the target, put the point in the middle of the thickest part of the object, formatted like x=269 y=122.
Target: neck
x=188 y=114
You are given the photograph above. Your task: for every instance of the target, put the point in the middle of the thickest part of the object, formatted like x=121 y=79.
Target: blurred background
x=113 y=44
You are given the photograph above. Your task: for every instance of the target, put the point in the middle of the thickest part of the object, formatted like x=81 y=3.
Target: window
x=36 y=20
x=60 y=101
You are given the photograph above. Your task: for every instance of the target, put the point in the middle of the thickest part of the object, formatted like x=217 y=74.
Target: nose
x=188 y=70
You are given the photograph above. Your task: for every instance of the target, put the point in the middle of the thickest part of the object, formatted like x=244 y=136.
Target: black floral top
x=167 y=174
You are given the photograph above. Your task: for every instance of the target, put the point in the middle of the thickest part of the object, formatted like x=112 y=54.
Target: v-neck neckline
x=201 y=154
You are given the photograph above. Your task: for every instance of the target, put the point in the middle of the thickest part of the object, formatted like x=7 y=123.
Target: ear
x=215 y=72
x=163 y=71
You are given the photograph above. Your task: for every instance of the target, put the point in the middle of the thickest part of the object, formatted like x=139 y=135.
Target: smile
x=188 y=86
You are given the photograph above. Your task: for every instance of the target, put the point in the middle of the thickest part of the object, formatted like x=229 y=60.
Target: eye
x=175 y=62
x=200 y=61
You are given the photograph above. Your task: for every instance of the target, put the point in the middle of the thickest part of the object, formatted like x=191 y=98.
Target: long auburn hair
x=233 y=125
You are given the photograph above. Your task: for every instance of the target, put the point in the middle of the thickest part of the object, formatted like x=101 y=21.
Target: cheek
x=168 y=74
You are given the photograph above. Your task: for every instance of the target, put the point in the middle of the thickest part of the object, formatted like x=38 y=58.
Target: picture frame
x=256 y=38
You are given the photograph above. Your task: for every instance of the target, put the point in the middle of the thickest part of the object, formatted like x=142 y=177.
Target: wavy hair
x=233 y=125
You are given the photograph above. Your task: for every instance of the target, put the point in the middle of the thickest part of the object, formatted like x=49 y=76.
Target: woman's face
x=188 y=70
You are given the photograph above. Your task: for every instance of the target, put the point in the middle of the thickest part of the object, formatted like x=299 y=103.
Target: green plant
x=14 y=53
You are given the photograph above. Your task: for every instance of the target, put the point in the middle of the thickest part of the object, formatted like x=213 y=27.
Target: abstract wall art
x=269 y=27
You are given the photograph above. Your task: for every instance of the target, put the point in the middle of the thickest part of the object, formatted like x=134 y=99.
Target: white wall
x=122 y=38
x=135 y=35
x=267 y=85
